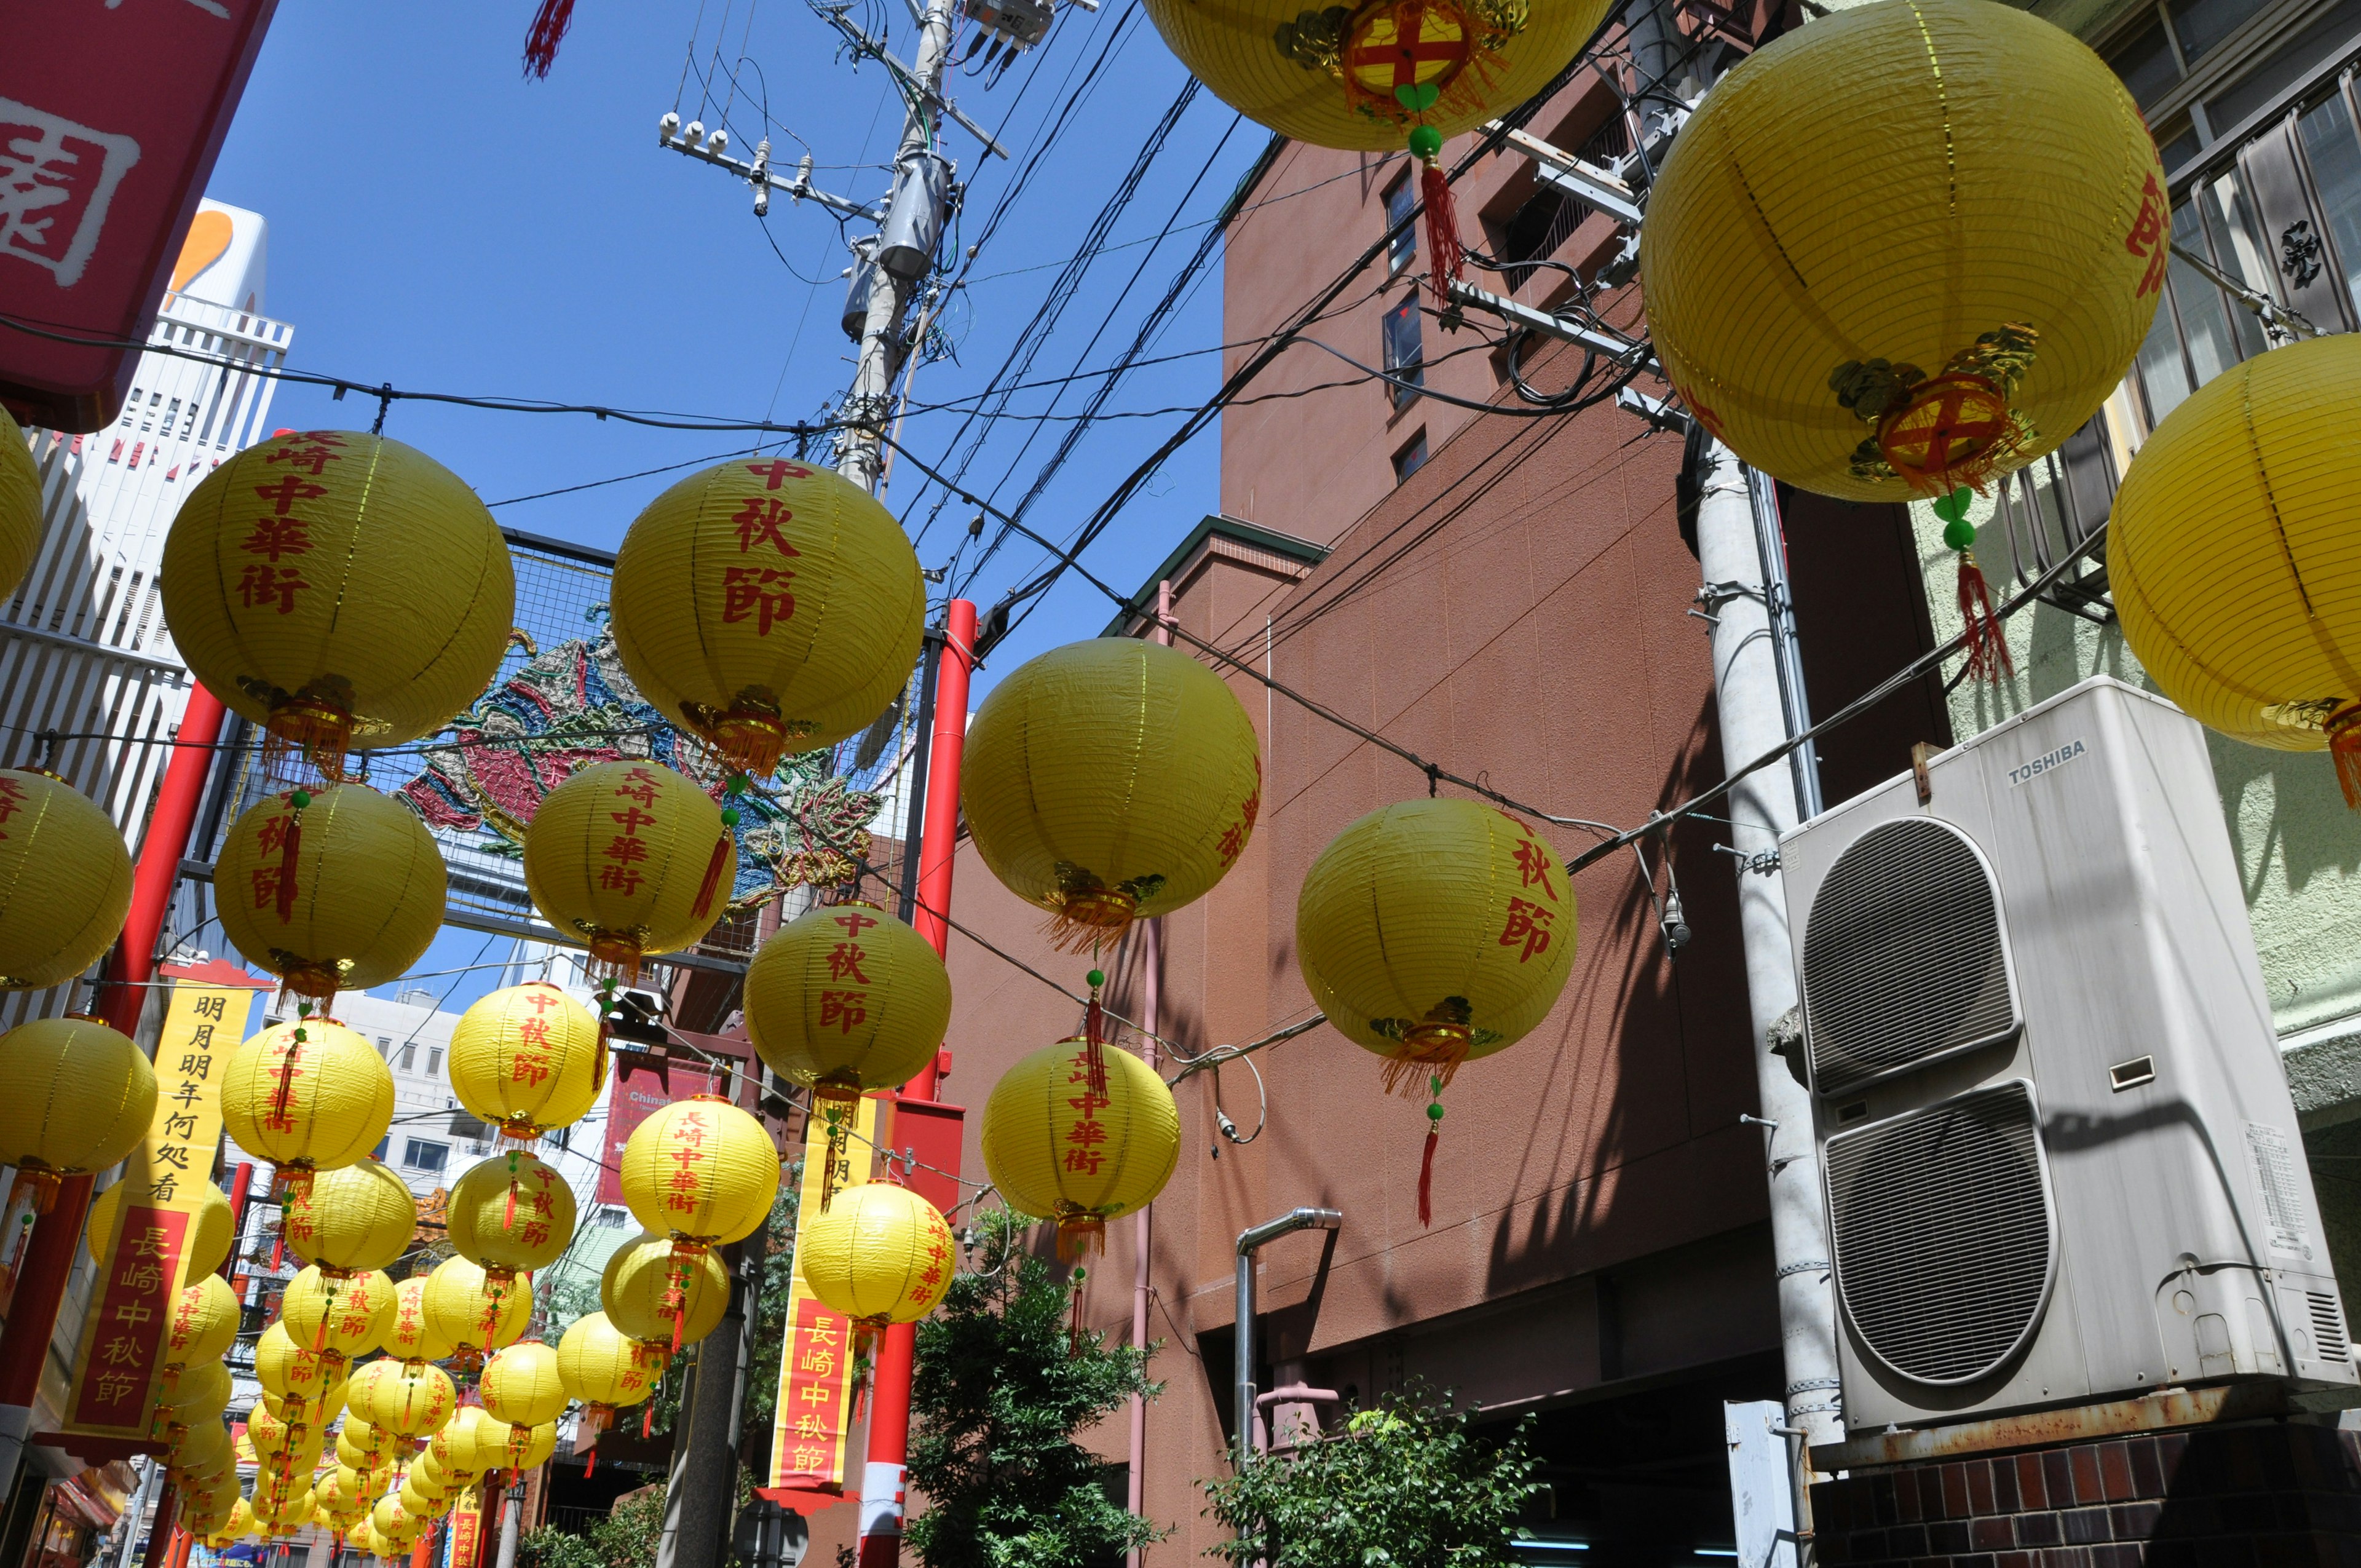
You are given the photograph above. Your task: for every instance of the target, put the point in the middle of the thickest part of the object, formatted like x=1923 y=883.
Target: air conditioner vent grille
x=1943 y=1236
x=1903 y=957
x=2327 y=1326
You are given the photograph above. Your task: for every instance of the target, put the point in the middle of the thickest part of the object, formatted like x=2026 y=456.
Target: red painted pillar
x=50 y=1253
x=882 y=1480
x=160 y=1534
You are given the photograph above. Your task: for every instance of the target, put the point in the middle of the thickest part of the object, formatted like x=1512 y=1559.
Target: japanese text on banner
x=815 y=1403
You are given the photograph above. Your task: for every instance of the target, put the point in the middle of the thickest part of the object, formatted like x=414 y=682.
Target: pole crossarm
x=1624 y=350
x=1586 y=182
x=911 y=81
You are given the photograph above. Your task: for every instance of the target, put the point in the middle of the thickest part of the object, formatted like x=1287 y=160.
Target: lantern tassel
x=290 y=843
x=1074 y=1320
x=2344 y=727
x=1426 y=1175
x=1079 y=1235
x=1446 y=256
x=549 y=25
x=712 y=882
x=1987 y=658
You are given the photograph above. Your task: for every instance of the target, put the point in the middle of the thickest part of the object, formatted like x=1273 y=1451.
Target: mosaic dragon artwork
x=571 y=706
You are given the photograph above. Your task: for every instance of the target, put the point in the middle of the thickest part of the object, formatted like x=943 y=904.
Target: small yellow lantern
x=76 y=1097
x=234 y=1526
x=664 y=1292
x=418 y=1505
x=276 y=1438
x=522 y=1385
x=20 y=505
x=1080 y=1137
x=336 y=587
x=1108 y=780
x=846 y=999
x=203 y=1452
x=338 y=888
x=337 y=1318
x=361 y=1446
x=355 y=1219
x=528 y=1058
x=511 y=1213
x=604 y=1367
x=701 y=1170
x=2231 y=558
x=1962 y=225
x=65 y=873
x=769 y=606
x=308 y=1096
x=453 y=1450
x=393 y=1523
x=516 y=1448
x=880 y=1254
x=205 y=1246
x=205 y=1323
x=406 y=1399
x=473 y=1311
x=198 y=1392
x=633 y=857
x=297 y=1373
x=413 y=1335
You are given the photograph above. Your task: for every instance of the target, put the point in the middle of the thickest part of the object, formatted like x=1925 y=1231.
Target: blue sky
x=440 y=223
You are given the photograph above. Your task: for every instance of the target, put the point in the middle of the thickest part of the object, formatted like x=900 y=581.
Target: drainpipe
x=1732 y=551
x=1249 y=1241
x=1151 y=1021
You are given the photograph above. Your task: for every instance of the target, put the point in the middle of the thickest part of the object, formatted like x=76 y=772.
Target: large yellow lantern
x=516 y=1448
x=528 y=1058
x=205 y=1323
x=65 y=874
x=664 y=1292
x=510 y=1213
x=281 y=1438
x=454 y=1449
x=412 y=1334
x=237 y=1524
x=204 y=1246
x=633 y=859
x=846 y=999
x=20 y=505
x=2231 y=559
x=296 y=1374
x=769 y=606
x=338 y=588
x=198 y=1392
x=1908 y=247
x=701 y=1170
x=393 y=1523
x=605 y=1367
x=406 y=1399
x=355 y=1219
x=522 y=1385
x=1110 y=779
x=76 y=1097
x=1080 y=1137
x=474 y=1311
x=308 y=1096
x=337 y=1318
x=363 y=1446
x=338 y=888
x=880 y=1254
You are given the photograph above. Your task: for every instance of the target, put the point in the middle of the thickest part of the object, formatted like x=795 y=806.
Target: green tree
x=1001 y=1386
x=626 y=1538
x=1406 y=1485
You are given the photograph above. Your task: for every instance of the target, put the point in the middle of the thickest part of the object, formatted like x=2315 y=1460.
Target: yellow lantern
x=633 y=857
x=205 y=1246
x=338 y=1319
x=454 y=1449
x=1110 y=779
x=2229 y=556
x=338 y=888
x=393 y=1523
x=522 y=1386
x=357 y=1219
x=405 y=1398
x=516 y=1448
x=237 y=1523
x=308 y=1096
x=336 y=587
x=65 y=874
x=295 y=1373
x=203 y=1452
x=605 y=1367
x=336 y=1491
x=276 y=1438
x=473 y=1311
x=197 y=1392
x=1080 y=1137
x=362 y=1446
x=420 y=1507
x=511 y=1213
x=314 y=1410
x=664 y=1292
x=527 y=1060
x=76 y=1097
x=769 y=606
x=205 y=1323
x=1941 y=311
x=412 y=1335
x=701 y=1170
x=20 y=505
x=846 y=999
x=880 y=1254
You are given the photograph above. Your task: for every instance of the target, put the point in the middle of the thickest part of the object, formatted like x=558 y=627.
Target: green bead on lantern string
x=1987 y=647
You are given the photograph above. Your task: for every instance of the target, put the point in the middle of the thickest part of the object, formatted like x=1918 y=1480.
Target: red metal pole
x=241 y=1184
x=882 y=1480
x=50 y=1253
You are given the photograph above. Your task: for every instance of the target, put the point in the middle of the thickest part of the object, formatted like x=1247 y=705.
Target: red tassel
x=549 y=24
x=592 y=1463
x=287 y=846
x=1988 y=657
x=1445 y=258
x=508 y=1221
x=1093 y=1056
x=648 y=1420
x=1426 y=1176
x=712 y=882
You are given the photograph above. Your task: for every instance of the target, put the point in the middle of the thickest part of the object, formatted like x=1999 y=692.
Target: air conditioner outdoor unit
x=2062 y=1163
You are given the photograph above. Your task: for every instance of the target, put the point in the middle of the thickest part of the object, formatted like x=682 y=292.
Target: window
x=433 y=1061
x=1411 y=457
x=1401 y=197
x=2335 y=154
x=1404 y=355
x=379 y=1153
x=384 y=1045
x=423 y=1156
x=1546 y=220
x=409 y=1057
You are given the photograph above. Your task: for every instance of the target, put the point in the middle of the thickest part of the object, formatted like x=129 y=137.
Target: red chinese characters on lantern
x=1528 y=923
x=1533 y=863
x=847 y=1010
x=758 y=523
x=627 y=850
x=1086 y=1133
x=685 y=1188
x=2147 y=238
x=759 y=593
x=12 y=800
x=776 y=470
x=263 y=586
x=929 y=1278
x=278 y=532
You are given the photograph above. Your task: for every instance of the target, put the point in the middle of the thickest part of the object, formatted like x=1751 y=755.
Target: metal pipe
x=1151 y=1022
x=1250 y=1240
x=1770 y=545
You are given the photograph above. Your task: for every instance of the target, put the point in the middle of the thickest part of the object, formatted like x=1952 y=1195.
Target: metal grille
x=1902 y=956
x=2327 y=1325
x=1944 y=1242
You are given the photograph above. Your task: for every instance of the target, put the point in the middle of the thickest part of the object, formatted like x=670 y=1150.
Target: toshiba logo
x=2046 y=763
